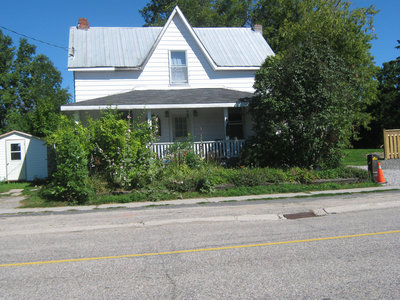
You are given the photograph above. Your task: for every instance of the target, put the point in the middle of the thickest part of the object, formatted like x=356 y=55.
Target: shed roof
x=27 y=135
x=130 y=47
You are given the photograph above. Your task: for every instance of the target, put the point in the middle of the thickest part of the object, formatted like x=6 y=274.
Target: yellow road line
x=198 y=250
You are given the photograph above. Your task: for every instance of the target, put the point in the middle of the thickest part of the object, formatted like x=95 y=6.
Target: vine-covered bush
x=111 y=150
x=70 y=181
x=182 y=153
x=120 y=150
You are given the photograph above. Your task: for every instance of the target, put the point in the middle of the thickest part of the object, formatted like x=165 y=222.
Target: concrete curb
x=197 y=201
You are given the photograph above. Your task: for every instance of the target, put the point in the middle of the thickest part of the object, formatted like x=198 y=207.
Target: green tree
x=303 y=108
x=385 y=112
x=389 y=94
x=30 y=89
x=6 y=82
x=288 y=23
x=200 y=13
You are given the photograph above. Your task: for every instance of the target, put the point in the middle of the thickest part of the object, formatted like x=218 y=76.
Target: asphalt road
x=262 y=259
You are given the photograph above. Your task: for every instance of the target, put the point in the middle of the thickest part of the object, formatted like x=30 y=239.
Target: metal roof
x=129 y=47
x=234 y=47
x=201 y=97
x=110 y=46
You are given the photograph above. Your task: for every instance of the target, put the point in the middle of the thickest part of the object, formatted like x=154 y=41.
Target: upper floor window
x=178 y=72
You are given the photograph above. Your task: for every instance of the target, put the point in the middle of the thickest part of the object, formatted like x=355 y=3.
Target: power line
x=37 y=40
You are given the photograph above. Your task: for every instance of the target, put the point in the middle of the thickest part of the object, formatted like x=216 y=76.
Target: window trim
x=16 y=151
x=170 y=68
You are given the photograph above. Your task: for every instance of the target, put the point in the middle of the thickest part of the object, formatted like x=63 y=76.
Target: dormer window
x=178 y=71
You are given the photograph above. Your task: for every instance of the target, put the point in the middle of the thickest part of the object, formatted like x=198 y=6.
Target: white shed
x=22 y=157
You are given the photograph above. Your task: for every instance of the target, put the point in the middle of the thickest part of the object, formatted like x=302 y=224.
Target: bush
x=70 y=182
x=304 y=108
x=342 y=172
x=121 y=153
x=248 y=177
x=182 y=153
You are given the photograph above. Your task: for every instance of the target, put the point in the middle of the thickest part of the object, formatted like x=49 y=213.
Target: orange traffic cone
x=380 y=178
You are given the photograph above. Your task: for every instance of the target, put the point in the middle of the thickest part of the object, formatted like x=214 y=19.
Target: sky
x=49 y=21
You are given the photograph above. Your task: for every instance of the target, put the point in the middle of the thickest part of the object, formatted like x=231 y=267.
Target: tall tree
x=6 y=82
x=288 y=23
x=30 y=89
x=302 y=108
x=200 y=13
x=386 y=112
x=389 y=94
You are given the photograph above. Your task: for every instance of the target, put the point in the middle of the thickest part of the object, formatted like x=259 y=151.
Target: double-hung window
x=178 y=70
x=15 y=151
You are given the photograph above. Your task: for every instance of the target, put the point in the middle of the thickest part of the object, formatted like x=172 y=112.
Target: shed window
x=15 y=151
x=178 y=72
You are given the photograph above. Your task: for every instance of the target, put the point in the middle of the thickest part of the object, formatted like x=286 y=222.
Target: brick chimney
x=257 y=28
x=83 y=23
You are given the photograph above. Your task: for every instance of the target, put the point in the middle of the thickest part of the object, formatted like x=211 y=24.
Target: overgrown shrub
x=121 y=153
x=182 y=153
x=70 y=182
x=304 y=108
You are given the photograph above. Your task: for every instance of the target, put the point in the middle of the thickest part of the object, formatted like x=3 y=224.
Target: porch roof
x=165 y=99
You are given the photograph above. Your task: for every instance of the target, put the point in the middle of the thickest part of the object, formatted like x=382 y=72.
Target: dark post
x=372 y=160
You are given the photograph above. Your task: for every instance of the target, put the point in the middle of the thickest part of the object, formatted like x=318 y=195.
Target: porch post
x=227 y=144
x=226 y=119
x=76 y=116
x=149 y=118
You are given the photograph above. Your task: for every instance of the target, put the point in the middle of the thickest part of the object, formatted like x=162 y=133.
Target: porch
x=206 y=149
x=216 y=119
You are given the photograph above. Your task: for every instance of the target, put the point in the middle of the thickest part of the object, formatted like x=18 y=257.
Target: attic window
x=178 y=72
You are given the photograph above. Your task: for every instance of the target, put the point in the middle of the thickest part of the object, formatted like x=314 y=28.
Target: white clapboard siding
x=155 y=75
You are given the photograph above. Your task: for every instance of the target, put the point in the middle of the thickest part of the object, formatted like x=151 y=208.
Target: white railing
x=209 y=149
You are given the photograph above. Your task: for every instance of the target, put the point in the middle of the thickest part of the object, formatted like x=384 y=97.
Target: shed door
x=15 y=157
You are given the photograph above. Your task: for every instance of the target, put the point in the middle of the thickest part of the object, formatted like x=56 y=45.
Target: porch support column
x=149 y=118
x=226 y=119
x=76 y=116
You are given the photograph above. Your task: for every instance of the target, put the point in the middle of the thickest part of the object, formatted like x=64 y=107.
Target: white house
x=22 y=157
x=194 y=80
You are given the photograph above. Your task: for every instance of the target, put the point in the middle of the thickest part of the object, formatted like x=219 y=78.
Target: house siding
x=155 y=75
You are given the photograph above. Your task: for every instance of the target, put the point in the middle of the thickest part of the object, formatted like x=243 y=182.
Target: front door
x=15 y=157
x=180 y=128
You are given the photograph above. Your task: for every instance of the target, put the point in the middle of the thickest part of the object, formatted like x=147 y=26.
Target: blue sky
x=49 y=20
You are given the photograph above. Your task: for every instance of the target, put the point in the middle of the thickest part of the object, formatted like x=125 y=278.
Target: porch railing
x=209 y=149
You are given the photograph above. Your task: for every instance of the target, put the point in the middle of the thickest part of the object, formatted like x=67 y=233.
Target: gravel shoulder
x=391 y=171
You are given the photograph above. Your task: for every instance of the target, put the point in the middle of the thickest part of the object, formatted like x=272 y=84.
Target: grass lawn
x=358 y=157
x=35 y=201
x=5 y=187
